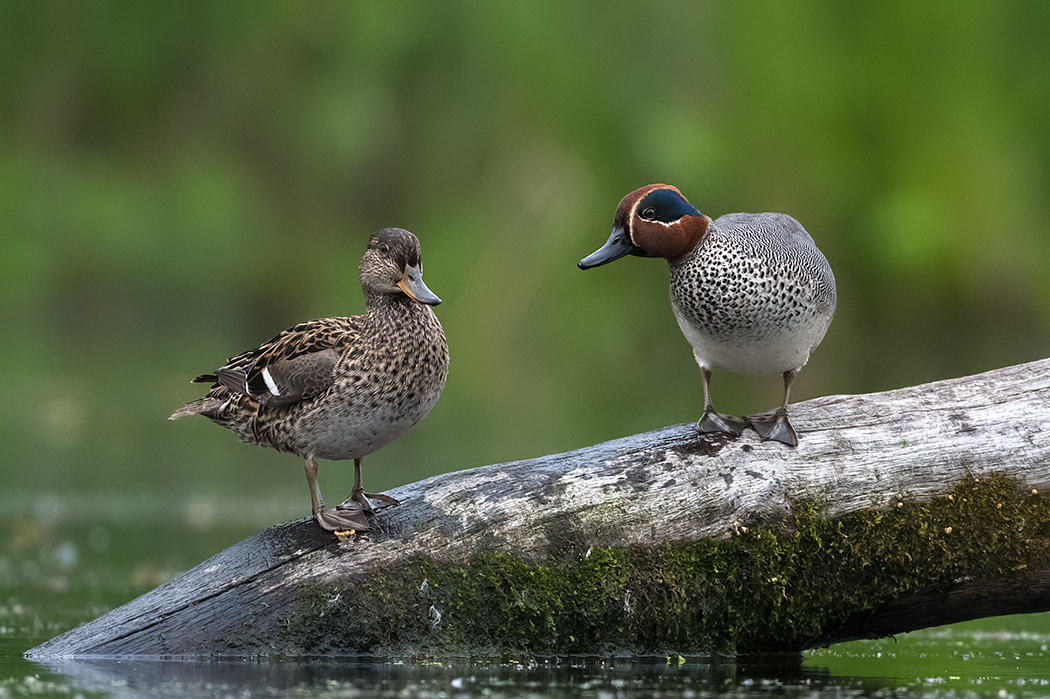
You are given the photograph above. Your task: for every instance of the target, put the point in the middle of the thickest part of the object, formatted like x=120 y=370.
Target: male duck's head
x=392 y=265
x=652 y=221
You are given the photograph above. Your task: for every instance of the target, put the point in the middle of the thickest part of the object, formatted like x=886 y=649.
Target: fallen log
x=898 y=510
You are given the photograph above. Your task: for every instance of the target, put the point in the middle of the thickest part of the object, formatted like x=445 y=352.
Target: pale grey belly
x=772 y=350
x=345 y=431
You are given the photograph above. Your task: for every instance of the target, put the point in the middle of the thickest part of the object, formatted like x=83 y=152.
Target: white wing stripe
x=270 y=383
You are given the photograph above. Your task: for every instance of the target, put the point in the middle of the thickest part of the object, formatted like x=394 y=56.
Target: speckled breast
x=755 y=297
x=381 y=391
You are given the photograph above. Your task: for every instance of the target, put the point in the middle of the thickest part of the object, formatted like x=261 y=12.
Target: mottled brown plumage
x=341 y=388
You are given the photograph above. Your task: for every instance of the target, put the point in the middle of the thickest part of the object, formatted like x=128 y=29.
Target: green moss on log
x=769 y=588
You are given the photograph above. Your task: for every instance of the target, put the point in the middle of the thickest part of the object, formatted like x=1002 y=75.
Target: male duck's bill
x=618 y=245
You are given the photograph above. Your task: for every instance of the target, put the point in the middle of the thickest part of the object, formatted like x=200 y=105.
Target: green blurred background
x=181 y=180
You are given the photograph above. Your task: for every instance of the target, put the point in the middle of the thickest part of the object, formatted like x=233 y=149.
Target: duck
x=752 y=293
x=341 y=388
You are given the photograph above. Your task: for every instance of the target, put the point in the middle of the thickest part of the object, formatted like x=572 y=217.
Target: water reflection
x=777 y=675
x=766 y=676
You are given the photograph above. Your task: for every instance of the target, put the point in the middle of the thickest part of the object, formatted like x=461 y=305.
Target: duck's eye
x=649 y=213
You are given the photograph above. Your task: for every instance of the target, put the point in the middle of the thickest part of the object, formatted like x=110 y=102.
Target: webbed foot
x=359 y=499
x=774 y=427
x=343 y=518
x=717 y=423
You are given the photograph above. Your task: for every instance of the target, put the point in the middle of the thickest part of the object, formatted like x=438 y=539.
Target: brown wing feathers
x=296 y=364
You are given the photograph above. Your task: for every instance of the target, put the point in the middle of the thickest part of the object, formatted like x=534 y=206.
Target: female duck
x=751 y=292
x=341 y=388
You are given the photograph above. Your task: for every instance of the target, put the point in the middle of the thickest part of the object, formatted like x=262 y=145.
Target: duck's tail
x=205 y=405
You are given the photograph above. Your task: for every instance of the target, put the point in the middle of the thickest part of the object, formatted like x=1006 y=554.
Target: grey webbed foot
x=774 y=427
x=343 y=518
x=359 y=499
x=337 y=520
x=717 y=423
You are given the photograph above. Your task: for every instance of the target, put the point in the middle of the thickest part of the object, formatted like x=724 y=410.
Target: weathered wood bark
x=897 y=511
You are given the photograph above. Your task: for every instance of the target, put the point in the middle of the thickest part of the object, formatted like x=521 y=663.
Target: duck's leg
x=359 y=498
x=716 y=423
x=334 y=520
x=775 y=426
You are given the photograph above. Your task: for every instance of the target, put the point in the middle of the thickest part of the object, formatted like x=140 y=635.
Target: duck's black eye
x=665 y=206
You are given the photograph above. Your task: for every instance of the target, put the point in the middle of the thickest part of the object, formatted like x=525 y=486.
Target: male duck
x=341 y=388
x=751 y=292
